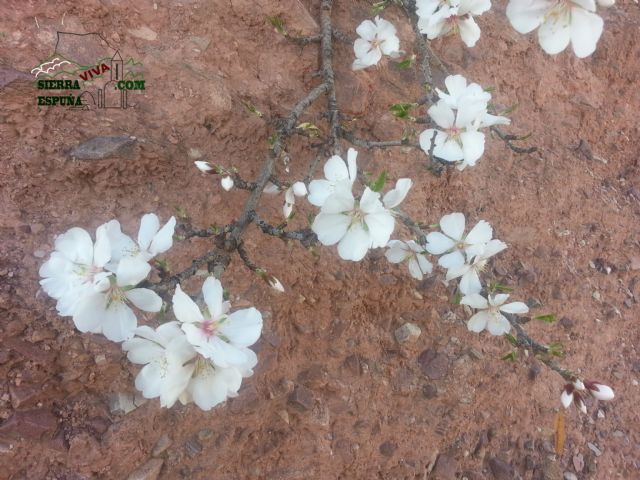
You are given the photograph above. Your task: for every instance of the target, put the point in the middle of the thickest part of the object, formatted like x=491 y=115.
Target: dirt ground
x=334 y=395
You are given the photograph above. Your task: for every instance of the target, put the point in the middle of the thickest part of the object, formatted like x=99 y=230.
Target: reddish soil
x=366 y=409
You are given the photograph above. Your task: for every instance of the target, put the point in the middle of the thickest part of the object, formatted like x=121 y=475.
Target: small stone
x=407 y=333
x=39 y=254
x=148 y=471
x=30 y=424
x=434 y=365
x=193 y=447
x=36 y=228
x=194 y=153
x=98 y=148
x=597 y=452
x=301 y=398
x=445 y=468
x=501 y=470
x=100 y=359
x=635 y=263
x=475 y=354
x=618 y=434
x=161 y=445
x=85 y=453
x=144 y=33
x=570 y=476
x=600 y=414
x=430 y=391
x=566 y=323
x=121 y=403
x=247 y=399
x=205 y=434
x=387 y=448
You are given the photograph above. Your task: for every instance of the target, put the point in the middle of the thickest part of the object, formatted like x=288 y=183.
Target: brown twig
x=508 y=138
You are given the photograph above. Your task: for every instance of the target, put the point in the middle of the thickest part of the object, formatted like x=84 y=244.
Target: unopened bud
x=203 y=166
x=227 y=183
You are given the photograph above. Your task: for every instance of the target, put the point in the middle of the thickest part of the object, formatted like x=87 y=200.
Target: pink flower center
x=209 y=328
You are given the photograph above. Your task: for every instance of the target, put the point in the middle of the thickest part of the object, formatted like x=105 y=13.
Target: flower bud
x=567 y=396
x=203 y=166
x=600 y=391
x=299 y=189
x=227 y=183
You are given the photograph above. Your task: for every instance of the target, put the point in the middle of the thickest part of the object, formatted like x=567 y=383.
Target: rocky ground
x=335 y=394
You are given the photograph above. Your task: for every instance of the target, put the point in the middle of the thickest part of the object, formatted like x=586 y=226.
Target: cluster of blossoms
x=560 y=22
x=437 y=18
x=574 y=393
x=460 y=113
x=202 y=357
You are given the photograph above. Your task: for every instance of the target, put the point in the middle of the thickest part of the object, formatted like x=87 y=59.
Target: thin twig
x=508 y=138
x=326 y=52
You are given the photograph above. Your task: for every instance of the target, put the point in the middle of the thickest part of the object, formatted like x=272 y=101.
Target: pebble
x=161 y=445
x=98 y=148
x=121 y=403
x=594 y=449
x=445 y=468
x=301 y=398
x=578 y=462
x=501 y=470
x=570 y=476
x=30 y=424
x=193 y=447
x=144 y=33
x=388 y=448
x=39 y=254
x=407 y=333
x=434 y=365
x=148 y=471
x=475 y=354
x=430 y=391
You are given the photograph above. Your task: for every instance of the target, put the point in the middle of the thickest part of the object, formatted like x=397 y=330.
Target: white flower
x=354 y=226
x=298 y=189
x=227 y=183
x=152 y=240
x=599 y=390
x=377 y=39
x=490 y=317
x=561 y=22
x=395 y=197
x=455 y=242
x=338 y=176
x=204 y=167
x=106 y=310
x=459 y=141
x=470 y=281
x=75 y=267
x=214 y=334
x=412 y=253
x=570 y=393
x=274 y=283
x=212 y=385
x=164 y=352
x=439 y=18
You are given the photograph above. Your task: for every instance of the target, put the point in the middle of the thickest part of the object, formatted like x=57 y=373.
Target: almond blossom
x=453 y=242
x=490 y=317
x=377 y=38
x=338 y=174
x=298 y=189
x=559 y=23
x=152 y=240
x=437 y=18
x=213 y=332
x=165 y=353
x=571 y=393
x=469 y=273
x=75 y=267
x=412 y=253
x=106 y=310
x=356 y=226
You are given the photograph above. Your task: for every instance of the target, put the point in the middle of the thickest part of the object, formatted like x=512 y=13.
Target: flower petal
x=453 y=225
x=480 y=233
x=478 y=322
x=394 y=197
x=149 y=226
x=498 y=325
x=144 y=299
x=442 y=114
x=243 y=327
x=118 y=322
x=451 y=260
x=515 y=307
x=475 y=300
x=212 y=293
x=586 y=28
x=331 y=227
x=555 y=33
x=355 y=244
x=163 y=240
x=438 y=243
x=184 y=308
x=131 y=271
x=470 y=282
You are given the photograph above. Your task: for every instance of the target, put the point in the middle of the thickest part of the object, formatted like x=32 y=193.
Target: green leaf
x=407 y=63
x=401 y=110
x=378 y=7
x=548 y=318
x=511 y=356
x=251 y=108
x=511 y=339
x=181 y=212
x=378 y=185
x=162 y=265
x=456 y=298
x=498 y=287
x=556 y=349
x=278 y=24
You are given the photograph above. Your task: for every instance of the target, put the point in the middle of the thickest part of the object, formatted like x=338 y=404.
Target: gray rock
x=102 y=147
x=148 y=471
x=445 y=468
x=594 y=449
x=121 y=403
x=193 y=447
x=501 y=470
x=434 y=365
x=301 y=398
x=387 y=448
x=407 y=333
x=161 y=445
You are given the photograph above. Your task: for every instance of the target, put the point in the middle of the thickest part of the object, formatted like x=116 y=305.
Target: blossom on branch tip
x=75 y=267
x=574 y=393
x=204 y=167
x=412 y=253
x=469 y=273
x=338 y=175
x=395 y=197
x=453 y=243
x=437 y=18
x=559 y=23
x=490 y=315
x=377 y=38
x=227 y=183
x=214 y=333
x=106 y=309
